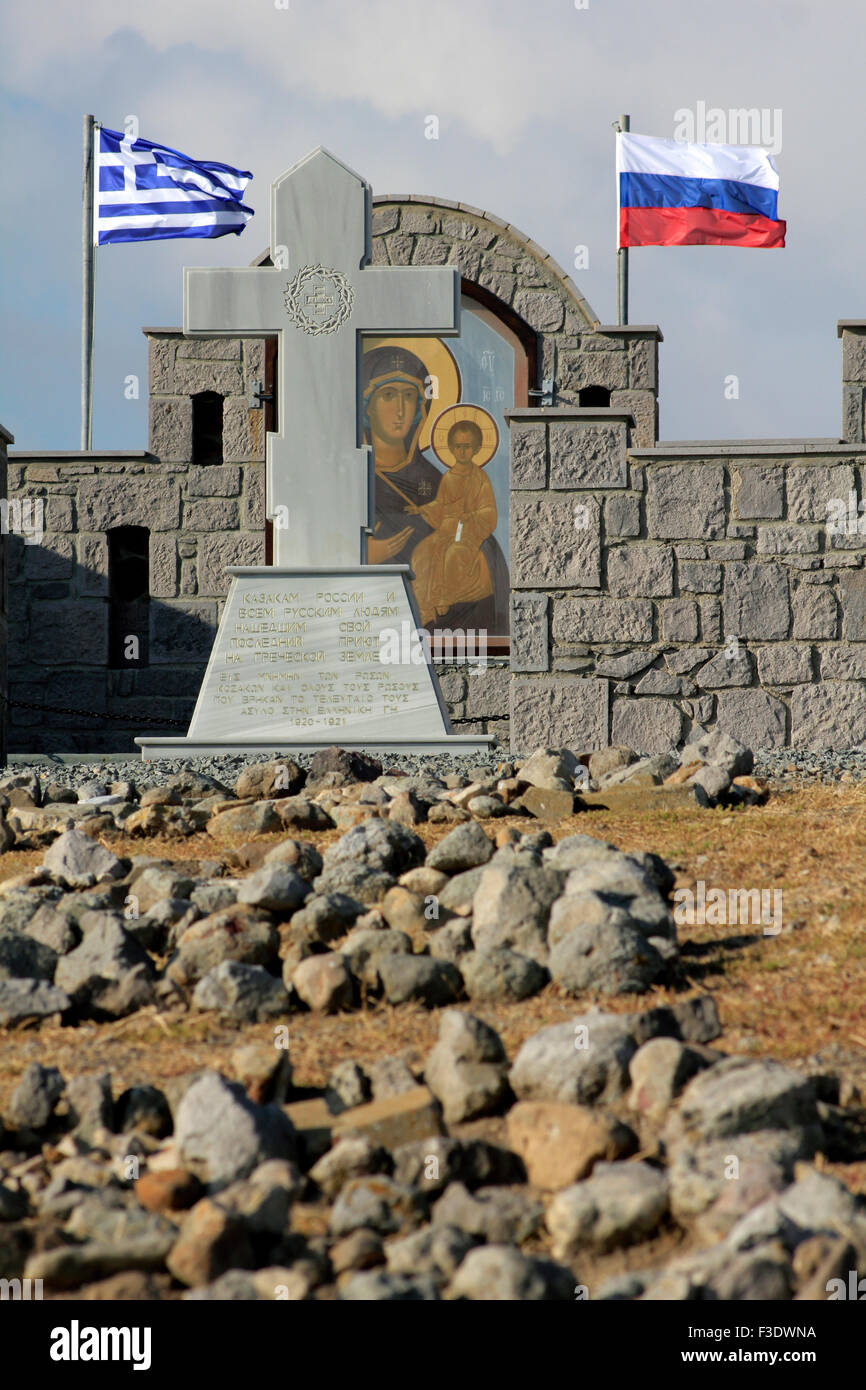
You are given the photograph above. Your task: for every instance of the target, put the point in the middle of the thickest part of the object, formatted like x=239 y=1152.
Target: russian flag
x=676 y=194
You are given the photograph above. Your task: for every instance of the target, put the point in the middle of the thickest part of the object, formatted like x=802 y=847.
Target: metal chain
x=89 y=714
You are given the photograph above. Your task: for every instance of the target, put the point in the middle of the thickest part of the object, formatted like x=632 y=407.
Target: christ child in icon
x=449 y=564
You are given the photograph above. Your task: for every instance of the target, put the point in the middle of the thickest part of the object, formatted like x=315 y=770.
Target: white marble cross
x=319 y=481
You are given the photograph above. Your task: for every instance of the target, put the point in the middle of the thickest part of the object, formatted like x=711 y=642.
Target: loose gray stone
x=222 y=1136
x=739 y=1095
x=500 y=1273
x=23 y=1001
x=620 y=1204
x=611 y=958
x=108 y=973
x=23 y=958
x=32 y=1103
x=275 y=888
x=494 y=1214
x=584 y=1062
x=500 y=973
x=244 y=993
x=78 y=861
x=511 y=907
x=366 y=861
x=464 y=847
x=420 y=978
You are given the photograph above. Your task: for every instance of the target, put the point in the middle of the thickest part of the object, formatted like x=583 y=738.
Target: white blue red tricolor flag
x=147 y=192
x=676 y=194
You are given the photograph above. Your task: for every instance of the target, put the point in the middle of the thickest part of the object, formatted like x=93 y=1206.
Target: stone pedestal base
x=307 y=658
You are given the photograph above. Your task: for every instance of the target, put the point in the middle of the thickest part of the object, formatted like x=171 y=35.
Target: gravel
x=227 y=767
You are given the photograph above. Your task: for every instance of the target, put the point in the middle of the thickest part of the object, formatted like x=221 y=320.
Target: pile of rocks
x=611 y=1130
x=605 y=1132
x=91 y=935
x=338 y=788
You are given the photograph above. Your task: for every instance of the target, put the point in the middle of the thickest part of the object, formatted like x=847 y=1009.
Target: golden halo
x=455 y=415
x=441 y=367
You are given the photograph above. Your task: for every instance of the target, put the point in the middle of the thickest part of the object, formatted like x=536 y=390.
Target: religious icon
x=449 y=564
x=411 y=391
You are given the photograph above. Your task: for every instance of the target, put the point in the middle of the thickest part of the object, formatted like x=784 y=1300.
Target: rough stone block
x=143 y=500
x=759 y=492
x=243 y=432
x=602 y=620
x=93 y=565
x=643 y=356
x=756 y=600
x=700 y=577
x=831 y=715
x=170 y=427
x=211 y=514
x=52 y=558
x=74 y=633
x=711 y=620
x=210 y=349
x=853 y=356
x=161 y=353
x=685 y=500
x=385 y=219
x=430 y=250
x=557 y=712
x=679 y=620
x=644 y=407
x=646 y=725
x=811 y=488
x=555 y=541
x=727 y=668
x=192 y=375
x=529 y=632
x=785 y=664
x=789 y=540
x=608 y=369
x=543 y=310
x=254 y=497
x=58 y=514
x=622 y=515
x=843 y=663
x=163 y=567
x=587 y=455
x=214 y=480
x=181 y=632
x=816 y=612
x=854 y=606
x=853 y=401
x=218 y=551
x=642 y=571
x=487 y=696
x=752 y=716
x=528 y=455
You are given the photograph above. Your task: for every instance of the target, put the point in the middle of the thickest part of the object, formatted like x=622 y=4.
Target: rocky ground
x=551 y=1139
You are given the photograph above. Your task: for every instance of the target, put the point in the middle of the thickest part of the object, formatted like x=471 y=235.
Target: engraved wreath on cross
x=319 y=300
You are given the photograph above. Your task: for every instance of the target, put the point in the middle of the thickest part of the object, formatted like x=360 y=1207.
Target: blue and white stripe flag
x=146 y=192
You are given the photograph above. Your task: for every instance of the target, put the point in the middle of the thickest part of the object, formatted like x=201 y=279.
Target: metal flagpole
x=87 y=266
x=622 y=124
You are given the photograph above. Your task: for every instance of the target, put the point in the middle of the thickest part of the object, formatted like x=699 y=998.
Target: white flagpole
x=623 y=124
x=87 y=268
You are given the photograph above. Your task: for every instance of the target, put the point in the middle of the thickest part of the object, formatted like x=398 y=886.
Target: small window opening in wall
x=128 y=597
x=207 y=427
x=594 y=395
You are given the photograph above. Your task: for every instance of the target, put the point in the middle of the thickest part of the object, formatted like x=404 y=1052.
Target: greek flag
x=146 y=192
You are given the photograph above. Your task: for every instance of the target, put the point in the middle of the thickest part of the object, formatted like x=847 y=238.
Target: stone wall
x=664 y=589
x=200 y=518
x=5 y=440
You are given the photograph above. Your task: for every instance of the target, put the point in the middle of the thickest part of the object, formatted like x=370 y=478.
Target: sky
x=525 y=95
